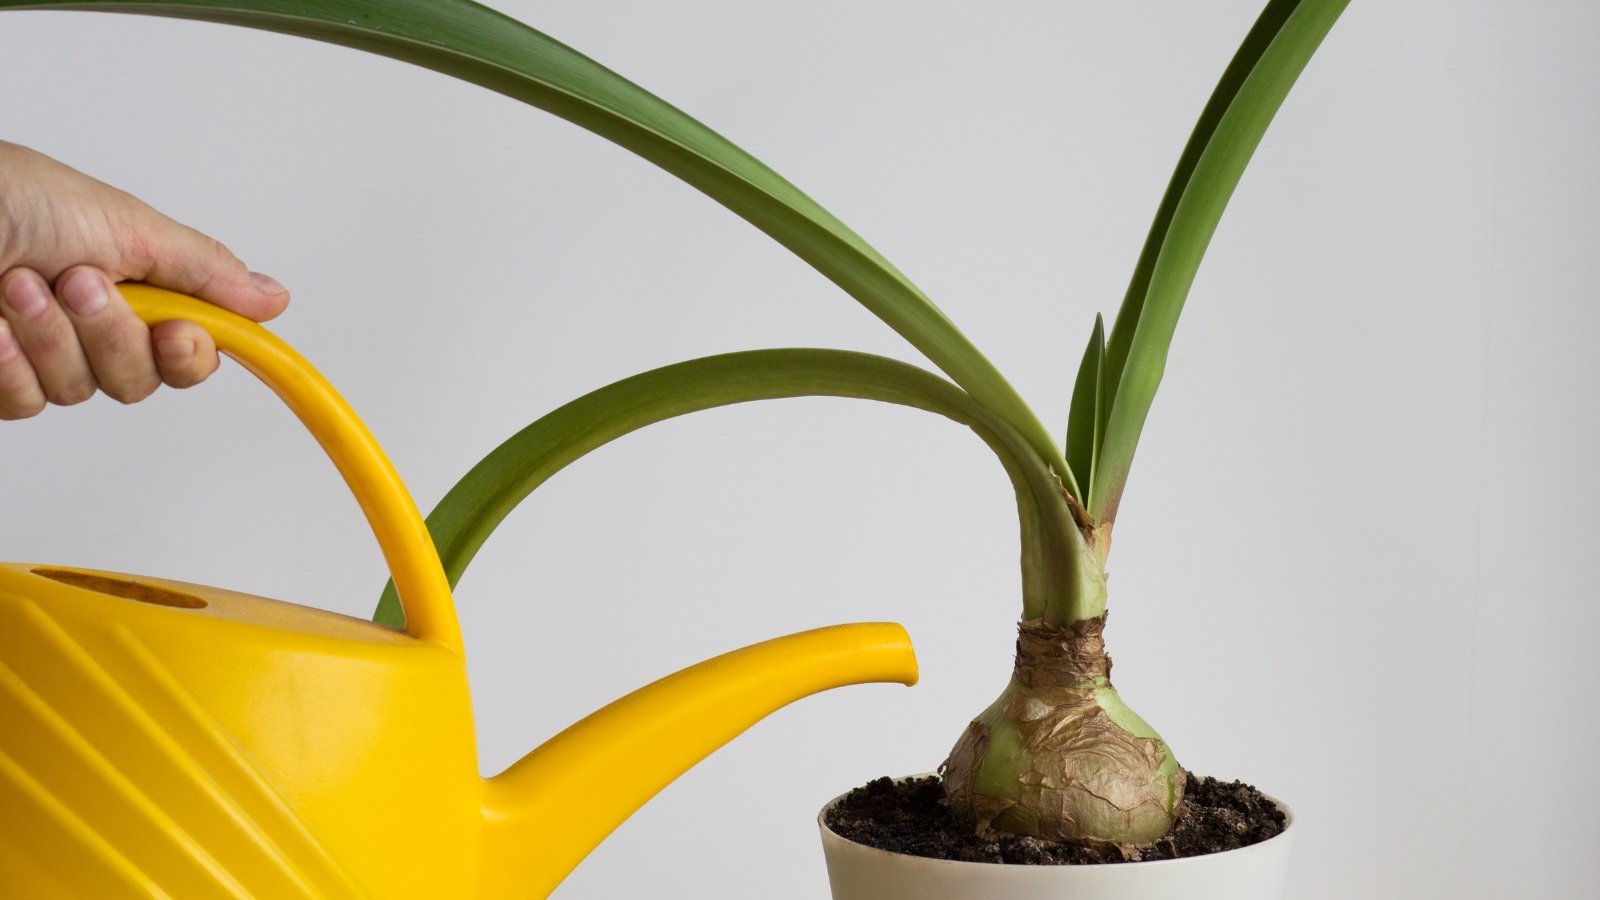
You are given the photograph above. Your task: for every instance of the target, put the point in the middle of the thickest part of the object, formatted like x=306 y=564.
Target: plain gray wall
x=1356 y=561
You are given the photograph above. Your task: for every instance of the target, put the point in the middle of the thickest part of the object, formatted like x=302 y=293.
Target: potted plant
x=1005 y=773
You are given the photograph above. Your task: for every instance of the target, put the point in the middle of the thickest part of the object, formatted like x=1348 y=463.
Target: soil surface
x=910 y=817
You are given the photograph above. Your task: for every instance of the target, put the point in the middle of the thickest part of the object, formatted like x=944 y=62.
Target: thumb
x=176 y=257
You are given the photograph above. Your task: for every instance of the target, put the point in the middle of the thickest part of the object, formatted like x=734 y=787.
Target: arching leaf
x=477 y=44
x=1055 y=571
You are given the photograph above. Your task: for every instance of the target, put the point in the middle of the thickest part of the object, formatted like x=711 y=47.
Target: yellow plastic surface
x=161 y=739
x=572 y=791
x=403 y=536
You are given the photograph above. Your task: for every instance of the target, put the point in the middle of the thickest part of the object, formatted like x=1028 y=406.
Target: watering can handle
x=407 y=548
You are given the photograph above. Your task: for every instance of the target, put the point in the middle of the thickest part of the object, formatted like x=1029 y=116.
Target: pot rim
x=1288 y=823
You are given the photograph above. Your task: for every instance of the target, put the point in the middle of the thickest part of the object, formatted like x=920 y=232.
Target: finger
x=185 y=353
x=20 y=394
x=115 y=341
x=177 y=257
x=46 y=336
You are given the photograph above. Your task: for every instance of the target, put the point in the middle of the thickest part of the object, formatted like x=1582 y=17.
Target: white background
x=1356 y=561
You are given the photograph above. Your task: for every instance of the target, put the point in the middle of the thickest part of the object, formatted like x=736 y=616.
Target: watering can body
x=213 y=744
x=162 y=739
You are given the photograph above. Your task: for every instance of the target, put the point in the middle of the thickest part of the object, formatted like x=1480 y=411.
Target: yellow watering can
x=161 y=739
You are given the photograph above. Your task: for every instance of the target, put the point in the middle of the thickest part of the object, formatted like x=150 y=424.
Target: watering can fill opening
x=124 y=588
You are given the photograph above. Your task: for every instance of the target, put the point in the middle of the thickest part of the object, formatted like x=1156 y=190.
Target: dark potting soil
x=910 y=817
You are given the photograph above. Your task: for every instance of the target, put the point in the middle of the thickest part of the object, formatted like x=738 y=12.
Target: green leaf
x=479 y=45
x=1056 y=572
x=1085 y=417
x=1242 y=106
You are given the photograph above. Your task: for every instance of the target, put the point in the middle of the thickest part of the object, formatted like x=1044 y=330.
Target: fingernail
x=26 y=294
x=266 y=284
x=175 y=350
x=8 y=343
x=84 y=293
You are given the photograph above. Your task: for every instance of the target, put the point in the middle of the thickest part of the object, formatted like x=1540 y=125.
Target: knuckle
x=193 y=375
x=137 y=248
x=134 y=390
x=185 y=376
x=124 y=332
x=120 y=342
x=220 y=250
x=71 y=393
x=14 y=412
x=50 y=343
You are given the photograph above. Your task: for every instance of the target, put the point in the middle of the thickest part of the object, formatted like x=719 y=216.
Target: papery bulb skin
x=1059 y=756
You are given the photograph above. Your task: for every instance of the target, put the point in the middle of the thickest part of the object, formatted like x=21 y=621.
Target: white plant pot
x=859 y=872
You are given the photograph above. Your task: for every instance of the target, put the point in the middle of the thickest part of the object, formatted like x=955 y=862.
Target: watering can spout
x=546 y=812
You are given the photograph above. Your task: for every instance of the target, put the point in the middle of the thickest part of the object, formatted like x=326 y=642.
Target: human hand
x=65 y=331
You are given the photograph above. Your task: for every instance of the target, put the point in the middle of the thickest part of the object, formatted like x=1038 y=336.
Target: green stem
x=1059 y=575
